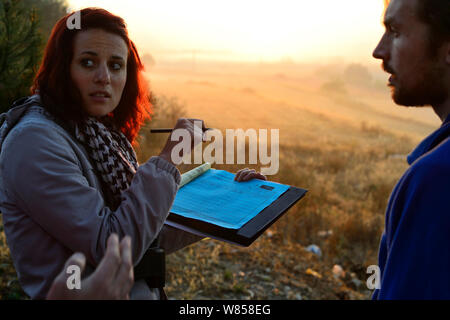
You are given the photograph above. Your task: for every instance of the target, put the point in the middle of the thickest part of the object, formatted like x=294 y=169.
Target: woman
x=68 y=173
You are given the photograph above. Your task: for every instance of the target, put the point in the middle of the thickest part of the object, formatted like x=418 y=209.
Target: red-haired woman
x=69 y=177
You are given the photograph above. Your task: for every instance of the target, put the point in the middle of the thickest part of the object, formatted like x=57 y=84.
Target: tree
x=24 y=24
x=20 y=46
x=49 y=12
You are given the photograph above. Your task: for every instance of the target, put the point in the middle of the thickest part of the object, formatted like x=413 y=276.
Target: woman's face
x=99 y=70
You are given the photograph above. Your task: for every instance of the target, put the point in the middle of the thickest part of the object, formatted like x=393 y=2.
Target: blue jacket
x=414 y=255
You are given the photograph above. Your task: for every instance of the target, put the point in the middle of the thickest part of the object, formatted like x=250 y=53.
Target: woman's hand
x=196 y=137
x=248 y=174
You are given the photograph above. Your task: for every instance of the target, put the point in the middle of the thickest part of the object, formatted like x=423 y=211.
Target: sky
x=248 y=30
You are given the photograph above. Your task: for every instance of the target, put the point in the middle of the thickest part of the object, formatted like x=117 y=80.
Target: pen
x=168 y=130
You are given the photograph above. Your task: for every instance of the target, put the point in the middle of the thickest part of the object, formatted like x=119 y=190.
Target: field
x=341 y=138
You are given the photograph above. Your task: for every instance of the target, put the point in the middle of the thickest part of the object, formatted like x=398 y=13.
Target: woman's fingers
x=239 y=174
x=198 y=122
x=258 y=175
x=195 y=129
x=248 y=174
x=189 y=124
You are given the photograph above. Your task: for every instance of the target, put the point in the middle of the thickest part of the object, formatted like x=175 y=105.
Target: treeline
x=25 y=26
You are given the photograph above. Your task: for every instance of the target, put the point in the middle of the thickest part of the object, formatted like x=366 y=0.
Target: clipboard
x=250 y=231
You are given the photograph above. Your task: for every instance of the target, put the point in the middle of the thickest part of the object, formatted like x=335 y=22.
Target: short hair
x=62 y=98
x=436 y=14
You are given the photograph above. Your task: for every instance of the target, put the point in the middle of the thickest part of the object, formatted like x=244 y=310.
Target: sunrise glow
x=250 y=30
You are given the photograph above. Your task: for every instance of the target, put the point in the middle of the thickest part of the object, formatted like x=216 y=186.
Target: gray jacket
x=53 y=206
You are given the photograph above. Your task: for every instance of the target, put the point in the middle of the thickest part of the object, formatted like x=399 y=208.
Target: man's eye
x=394 y=32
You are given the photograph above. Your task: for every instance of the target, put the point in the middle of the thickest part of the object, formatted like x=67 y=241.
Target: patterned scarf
x=114 y=157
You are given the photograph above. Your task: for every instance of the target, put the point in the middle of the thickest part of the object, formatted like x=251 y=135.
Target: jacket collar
x=431 y=141
x=10 y=118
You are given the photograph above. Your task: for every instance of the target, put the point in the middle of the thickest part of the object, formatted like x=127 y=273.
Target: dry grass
x=344 y=142
x=9 y=285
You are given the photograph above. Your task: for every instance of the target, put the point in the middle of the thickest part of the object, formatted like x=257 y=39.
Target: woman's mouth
x=100 y=96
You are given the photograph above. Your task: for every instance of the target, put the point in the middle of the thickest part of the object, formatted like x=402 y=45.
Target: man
x=414 y=257
x=112 y=279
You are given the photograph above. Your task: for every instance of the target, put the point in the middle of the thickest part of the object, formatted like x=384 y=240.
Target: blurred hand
x=112 y=280
x=196 y=136
x=248 y=174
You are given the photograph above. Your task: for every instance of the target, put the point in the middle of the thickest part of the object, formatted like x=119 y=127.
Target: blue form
x=215 y=197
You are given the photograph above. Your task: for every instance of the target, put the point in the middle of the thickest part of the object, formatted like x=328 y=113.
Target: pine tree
x=20 y=50
x=25 y=26
x=49 y=12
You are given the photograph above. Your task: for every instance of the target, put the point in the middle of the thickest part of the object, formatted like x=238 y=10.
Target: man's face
x=416 y=72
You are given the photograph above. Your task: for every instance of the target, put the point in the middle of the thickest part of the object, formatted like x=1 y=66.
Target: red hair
x=62 y=98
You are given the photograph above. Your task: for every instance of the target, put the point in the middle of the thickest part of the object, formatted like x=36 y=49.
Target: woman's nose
x=102 y=75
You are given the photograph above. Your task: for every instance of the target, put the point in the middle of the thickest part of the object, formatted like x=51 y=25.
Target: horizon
x=282 y=31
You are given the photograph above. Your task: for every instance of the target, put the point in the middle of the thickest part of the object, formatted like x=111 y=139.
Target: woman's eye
x=116 y=66
x=87 y=63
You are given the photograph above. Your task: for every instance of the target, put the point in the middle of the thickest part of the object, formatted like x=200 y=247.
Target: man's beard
x=430 y=90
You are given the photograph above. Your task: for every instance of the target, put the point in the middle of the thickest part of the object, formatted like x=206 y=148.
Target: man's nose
x=381 y=51
x=102 y=75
